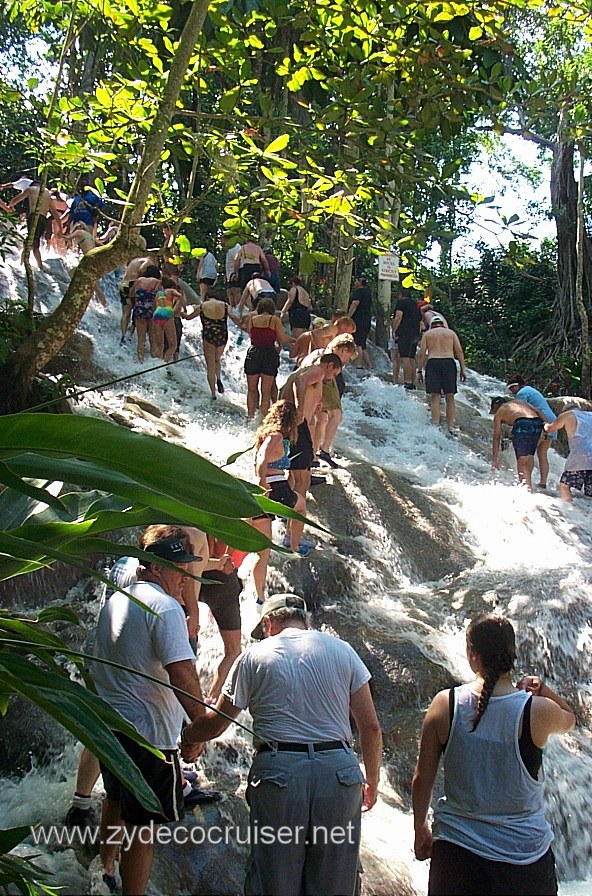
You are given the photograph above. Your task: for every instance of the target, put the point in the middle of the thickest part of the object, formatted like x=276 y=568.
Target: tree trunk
x=389 y=204
x=343 y=252
x=579 y=292
x=567 y=336
x=17 y=375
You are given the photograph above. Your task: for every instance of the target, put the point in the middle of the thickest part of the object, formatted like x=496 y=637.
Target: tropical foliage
x=69 y=481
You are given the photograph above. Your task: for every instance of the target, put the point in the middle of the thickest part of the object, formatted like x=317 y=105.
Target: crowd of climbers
x=302 y=686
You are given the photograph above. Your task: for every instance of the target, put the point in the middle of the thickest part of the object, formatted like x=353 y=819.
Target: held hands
x=191 y=752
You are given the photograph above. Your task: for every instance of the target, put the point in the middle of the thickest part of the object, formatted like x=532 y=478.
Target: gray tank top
x=492 y=806
x=580 y=445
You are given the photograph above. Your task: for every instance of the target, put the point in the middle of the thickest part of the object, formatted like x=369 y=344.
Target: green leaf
x=89 y=718
x=11 y=837
x=229 y=99
x=8 y=478
x=155 y=465
x=277 y=145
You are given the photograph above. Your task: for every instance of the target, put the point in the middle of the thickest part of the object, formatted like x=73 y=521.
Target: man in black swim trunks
x=304 y=389
x=441 y=346
x=527 y=426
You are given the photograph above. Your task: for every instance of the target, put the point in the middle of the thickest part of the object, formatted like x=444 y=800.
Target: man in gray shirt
x=306 y=790
x=155 y=643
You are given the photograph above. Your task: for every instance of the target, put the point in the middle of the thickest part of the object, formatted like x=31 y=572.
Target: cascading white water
x=530 y=560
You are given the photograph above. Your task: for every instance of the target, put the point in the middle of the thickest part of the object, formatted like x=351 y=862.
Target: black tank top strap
x=450 y=715
x=531 y=755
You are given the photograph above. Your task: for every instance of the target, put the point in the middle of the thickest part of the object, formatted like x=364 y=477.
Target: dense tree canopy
x=329 y=127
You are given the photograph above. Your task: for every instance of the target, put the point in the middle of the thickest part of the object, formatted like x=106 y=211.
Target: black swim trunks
x=223 y=599
x=39 y=229
x=301 y=453
x=526 y=433
x=163 y=776
x=440 y=376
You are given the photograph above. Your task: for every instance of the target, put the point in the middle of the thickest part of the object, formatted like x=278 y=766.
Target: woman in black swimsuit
x=297 y=306
x=214 y=318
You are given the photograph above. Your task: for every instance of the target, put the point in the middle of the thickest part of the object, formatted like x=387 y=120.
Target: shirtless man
x=331 y=414
x=313 y=339
x=257 y=288
x=442 y=346
x=42 y=202
x=135 y=269
x=527 y=427
x=304 y=389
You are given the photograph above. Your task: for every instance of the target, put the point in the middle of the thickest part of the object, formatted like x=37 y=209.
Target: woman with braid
x=490 y=836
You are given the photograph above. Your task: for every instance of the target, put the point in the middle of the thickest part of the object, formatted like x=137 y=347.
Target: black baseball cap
x=171 y=549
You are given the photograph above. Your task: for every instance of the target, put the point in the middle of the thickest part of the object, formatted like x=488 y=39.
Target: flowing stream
x=421 y=537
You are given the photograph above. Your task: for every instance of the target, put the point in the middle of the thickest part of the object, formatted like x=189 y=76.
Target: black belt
x=303 y=748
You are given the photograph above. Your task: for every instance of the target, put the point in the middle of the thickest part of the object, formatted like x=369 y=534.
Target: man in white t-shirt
x=155 y=643
x=306 y=789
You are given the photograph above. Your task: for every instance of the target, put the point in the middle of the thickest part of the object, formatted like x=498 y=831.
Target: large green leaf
x=9 y=838
x=89 y=718
x=226 y=527
x=147 y=460
x=8 y=478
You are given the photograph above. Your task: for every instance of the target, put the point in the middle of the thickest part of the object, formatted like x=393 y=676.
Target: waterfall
x=422 y=535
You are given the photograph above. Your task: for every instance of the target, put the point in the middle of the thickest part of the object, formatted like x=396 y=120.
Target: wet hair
x=516 y=380
x=496 y=401
x=266 y=305
x=345 y=340
x=493 y=639
x=346 y=322
x=152 y=271
x=330 y=358
x=281 y=417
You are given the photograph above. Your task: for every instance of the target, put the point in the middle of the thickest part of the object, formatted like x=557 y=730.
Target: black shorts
x=454 y=870
x=280 y=491
x=245 y=274
x=301 y=453
x=300 y=318
x=578 y=479
x=209 y=281
x=164 y=777
x=361 y=334
x=262 y=360
x=222 y=599
x=407 y=345
x=39 y=229
x=440 y=376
